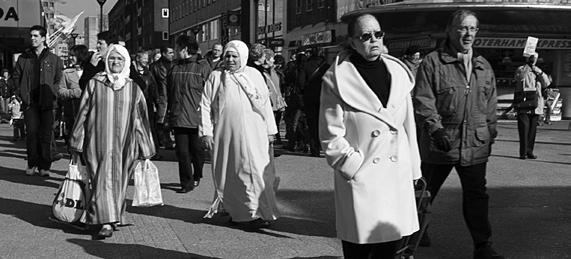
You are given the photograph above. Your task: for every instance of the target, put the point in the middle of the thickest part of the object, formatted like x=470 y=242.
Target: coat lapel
x=356 y=93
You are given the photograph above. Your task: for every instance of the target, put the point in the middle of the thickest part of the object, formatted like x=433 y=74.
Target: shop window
x=165 y=35
x=321 y=3
x=214 y=29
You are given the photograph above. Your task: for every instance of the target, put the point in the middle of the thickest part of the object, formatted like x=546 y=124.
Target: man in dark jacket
x=455 y=103
x=6 y=91
x=159 y=70
x=313 y=69
x=214 y=56
x=96 y=63
x=37 y=77
x=186 y=82
x=143 y=78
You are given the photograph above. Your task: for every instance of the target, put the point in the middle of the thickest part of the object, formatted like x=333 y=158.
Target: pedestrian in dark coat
x=37 y=75
x=186 y=83
x=159 y=70
x=455 y=103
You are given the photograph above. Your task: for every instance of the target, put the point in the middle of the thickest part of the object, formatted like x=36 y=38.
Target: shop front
x=504 y=28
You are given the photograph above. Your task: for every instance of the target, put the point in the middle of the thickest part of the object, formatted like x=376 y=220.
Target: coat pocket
x=446 y=100
x=482 y=136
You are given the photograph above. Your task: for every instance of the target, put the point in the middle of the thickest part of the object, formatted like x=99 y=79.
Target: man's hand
x=95 y=59
x=271 y=138
x=207 y=142
x=441 y=140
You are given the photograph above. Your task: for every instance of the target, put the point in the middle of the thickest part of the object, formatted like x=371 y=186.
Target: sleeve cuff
x=351 y=165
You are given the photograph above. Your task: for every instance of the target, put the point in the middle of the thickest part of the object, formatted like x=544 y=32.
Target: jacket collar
x=448 y=55
x=356 y=93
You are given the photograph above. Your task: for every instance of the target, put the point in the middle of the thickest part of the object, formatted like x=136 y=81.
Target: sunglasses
x=367 y=36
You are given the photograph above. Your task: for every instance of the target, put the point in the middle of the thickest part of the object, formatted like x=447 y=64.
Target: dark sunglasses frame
x=367 y=36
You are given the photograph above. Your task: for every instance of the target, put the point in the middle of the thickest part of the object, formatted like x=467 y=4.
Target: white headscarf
x=118 y=79
x=241 y=48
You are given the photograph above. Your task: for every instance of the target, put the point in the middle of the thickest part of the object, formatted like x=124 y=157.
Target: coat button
x=375 y=133
x=376 y=160
x=393 y=158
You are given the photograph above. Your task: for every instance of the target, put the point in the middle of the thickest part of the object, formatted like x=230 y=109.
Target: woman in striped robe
x=111 y=133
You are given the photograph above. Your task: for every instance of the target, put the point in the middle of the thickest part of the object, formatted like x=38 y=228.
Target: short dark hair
x=459 y=15
x=165 y=49
x=411 y=50
x=352 y=23
x=104 y=35
x=257 y=51
x=81 y=52
x=185 y=41
x=39 y=28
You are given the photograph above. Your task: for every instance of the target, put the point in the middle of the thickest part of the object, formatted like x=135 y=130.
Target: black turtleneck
x=376 y=76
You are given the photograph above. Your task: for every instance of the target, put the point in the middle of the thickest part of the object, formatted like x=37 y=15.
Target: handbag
x=71 y=199
x=530 y=100
x=147 y=185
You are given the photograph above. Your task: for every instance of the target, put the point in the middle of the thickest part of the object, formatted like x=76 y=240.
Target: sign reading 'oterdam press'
x=19 y=13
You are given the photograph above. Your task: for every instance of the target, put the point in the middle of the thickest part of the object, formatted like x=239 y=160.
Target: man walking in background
x=159 y=70
x=37 y=76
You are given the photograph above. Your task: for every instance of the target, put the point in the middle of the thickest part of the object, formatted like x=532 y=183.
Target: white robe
x=242 y=172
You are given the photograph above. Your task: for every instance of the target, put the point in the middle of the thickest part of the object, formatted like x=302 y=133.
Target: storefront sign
x=277 y=27
x=423 y=43
x=317 y=38
x=19 y=13
x=519 y=43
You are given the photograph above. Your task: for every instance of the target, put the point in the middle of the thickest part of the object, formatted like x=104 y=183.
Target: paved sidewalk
x=530 y=210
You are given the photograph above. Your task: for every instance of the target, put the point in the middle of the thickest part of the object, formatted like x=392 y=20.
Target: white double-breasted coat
x=373 y=151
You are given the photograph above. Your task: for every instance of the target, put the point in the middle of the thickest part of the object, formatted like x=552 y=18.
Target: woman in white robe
x=237 y=126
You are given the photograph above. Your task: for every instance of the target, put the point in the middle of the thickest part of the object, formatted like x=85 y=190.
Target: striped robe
x=112 y=132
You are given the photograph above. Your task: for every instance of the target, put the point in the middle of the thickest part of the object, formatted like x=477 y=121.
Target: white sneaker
x=31 y=171
x=45 y=173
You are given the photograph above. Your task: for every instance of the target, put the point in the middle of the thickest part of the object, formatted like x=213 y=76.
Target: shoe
x=522 y=157
x=185 y=189
x=105 y=232
x=31 y=171
x=44 y=173
x=532 y=156
x=196 y=183
x=487 y=252
x=57 y=156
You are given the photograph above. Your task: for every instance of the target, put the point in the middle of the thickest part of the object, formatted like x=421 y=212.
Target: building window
x=214 y=30
x=308 y=5
x=298 y=6
x=165 y=35
x=321 y=3
x=204 y=33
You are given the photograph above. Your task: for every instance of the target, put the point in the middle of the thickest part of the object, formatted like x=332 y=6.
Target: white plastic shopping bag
x=71 y=199
x=147 y=185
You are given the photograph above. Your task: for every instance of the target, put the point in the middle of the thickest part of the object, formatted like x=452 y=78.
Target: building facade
x=209 y=21
x=91 y=29
x=142 y=25
x=504 y=28
x=15 y=22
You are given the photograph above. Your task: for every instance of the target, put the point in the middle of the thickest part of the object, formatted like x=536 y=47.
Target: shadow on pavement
x=19 y=176
x=110 y=250
x=35 y=214
x=316 y=215
x=534 y=160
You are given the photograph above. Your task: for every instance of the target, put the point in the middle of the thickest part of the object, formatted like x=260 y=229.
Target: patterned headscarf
x=118 y=79
x=241 y=48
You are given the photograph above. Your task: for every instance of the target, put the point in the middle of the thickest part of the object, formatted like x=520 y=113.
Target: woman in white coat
x=368 y=133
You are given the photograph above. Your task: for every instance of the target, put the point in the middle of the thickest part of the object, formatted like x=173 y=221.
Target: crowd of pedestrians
x=383 y=123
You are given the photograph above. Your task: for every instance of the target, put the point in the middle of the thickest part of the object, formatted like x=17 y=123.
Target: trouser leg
x=197 y=154
x=183 y=154
x=531 y=135
x=32 y=120
x=523 y=131
x=475 y=202
x=46 y=139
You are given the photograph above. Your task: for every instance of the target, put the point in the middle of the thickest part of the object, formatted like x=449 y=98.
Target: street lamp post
x=101 y=3
x=73 y=36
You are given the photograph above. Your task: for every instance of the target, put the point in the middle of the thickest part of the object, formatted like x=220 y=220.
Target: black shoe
x=196 y=183
x=532 y=156
x=522 y=157
x=104 y=233
x=487 y=252
x=185 y=189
